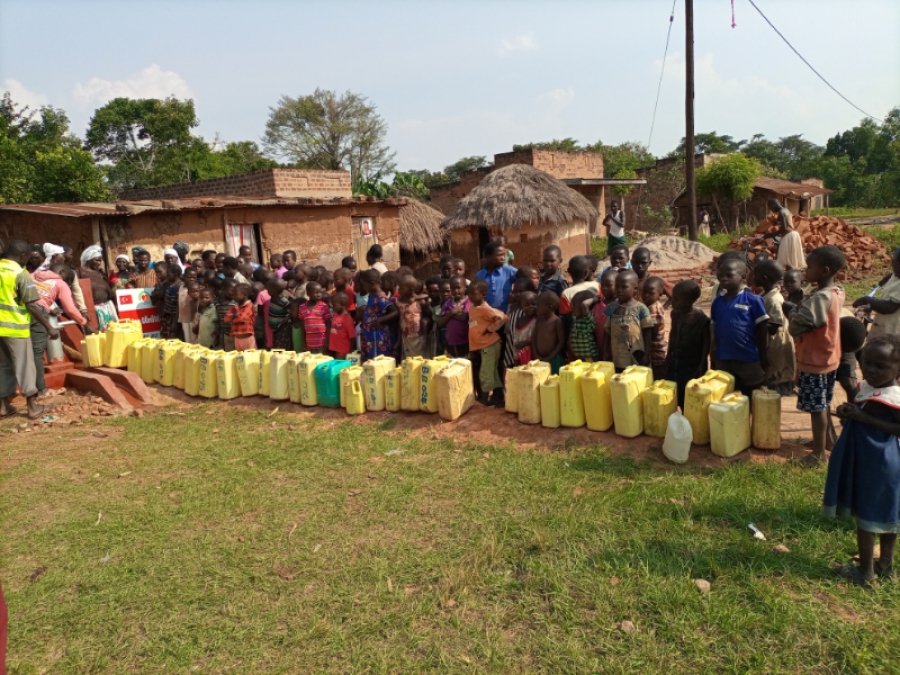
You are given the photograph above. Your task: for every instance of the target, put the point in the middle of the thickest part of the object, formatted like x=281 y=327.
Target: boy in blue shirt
x=740 y=324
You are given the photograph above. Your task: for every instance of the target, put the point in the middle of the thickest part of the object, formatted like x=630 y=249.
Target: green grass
x=599 y=246
x=890 y=237
x=312 y=550
x=853 y=212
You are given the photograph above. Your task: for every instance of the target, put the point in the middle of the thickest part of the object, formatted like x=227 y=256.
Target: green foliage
x=709 y=142
x=327 y=130
x=791 y=157
x=719 y=241
x=409 y=184
x=455 y=170
x=40 y=161
x=373 y=187
x=857 y=212
x=730 y=179
x=567 y=144
x=428 y=178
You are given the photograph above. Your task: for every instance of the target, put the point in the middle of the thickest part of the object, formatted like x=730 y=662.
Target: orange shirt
x=480 y=319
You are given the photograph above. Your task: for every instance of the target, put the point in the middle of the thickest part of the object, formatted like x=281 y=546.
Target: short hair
x=208 y=252
x=370 y=276
x=549 y=298
x=447 y=258
x=18 y=247
x=310 y=284
x=340 y=295
x=773 y=202
x=523 y=284
x=642 y=250
x=492 y=248
x=479 y=285
x=829 y=256
x=794 y=273
x=228 y=283
x=768 y=269
x=347 y=261
x=457 y=278
x=343 y=273
x=553 y=248
x=231 y=263
x=655 y=281
x=609 y=271
x=276 y=255
x=688 y=289
x=628 y=273
x=578 y=266
x=245 y=248
x=390 y=277
x=291 y=252
x=261 y=273
x=221 y=255
x=459 y=261
x=889 y=340
x=434 y=279
x=207 y=289
x=853 y=334
x=731 y=255
x=524 y=272
x=618 y=247
x=375 y=251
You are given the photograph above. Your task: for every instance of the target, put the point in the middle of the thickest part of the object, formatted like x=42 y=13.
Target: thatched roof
x=420 y=227
x=516 y=195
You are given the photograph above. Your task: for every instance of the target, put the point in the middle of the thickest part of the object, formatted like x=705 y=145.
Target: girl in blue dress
x=377 y=337
x=864 y=469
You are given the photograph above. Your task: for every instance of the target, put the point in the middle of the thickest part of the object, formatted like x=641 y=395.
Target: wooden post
x=689 y=120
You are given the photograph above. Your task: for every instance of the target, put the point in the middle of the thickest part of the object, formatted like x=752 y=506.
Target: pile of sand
x=675 y=253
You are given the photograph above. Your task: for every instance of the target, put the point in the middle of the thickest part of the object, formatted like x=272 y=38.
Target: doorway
x=244 y=234
x=363 y=234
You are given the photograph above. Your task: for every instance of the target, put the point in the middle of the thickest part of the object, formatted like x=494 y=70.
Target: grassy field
x=220 y=543
x=852 y=212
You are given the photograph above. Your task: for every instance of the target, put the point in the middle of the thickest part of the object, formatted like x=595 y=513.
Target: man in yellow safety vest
x=18 y=305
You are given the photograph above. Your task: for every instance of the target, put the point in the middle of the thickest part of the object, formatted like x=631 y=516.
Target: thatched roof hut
x=519 y=195
x=420 y=228
x=531 y=207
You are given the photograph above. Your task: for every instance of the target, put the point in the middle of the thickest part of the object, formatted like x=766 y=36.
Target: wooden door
x=363 y=234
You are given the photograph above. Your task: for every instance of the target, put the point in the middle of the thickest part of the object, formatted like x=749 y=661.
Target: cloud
x=23 y=96
x=151 y=82
x=557 y=100
x=520 y=43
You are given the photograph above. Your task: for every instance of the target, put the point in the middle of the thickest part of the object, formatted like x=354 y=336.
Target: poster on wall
x=134 y=303
x=368 y=229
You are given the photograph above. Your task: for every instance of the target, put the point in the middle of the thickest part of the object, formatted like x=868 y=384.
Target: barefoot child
x=579 y=268
x=377 y=336
x=316 y=318
x=815 y=326
x=793 y=290
x=415 y=319
x=343 y=329
x=582 y=338
x=864 y=470
x=454 y=318
x=549 y=338
x=520 y=329
x=601 y=302
x=279 y=315
x=204 y=324
x=780 y=345
x=629 y=325
x=225 y=301
x=689 y=340
x=241 y=317
x=187 y=303
x=484 y=322
x=853 y=337
x=552 y=278
x=651 y=292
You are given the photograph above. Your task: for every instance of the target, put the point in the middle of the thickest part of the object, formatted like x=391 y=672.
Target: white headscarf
x=124 y=257
x=90 y=253
x=50 y=250
x=172 y=251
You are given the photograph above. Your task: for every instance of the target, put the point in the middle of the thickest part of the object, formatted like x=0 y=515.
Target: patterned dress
x=376 y=340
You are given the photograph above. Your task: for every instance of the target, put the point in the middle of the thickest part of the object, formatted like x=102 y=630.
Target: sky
x=467 y=77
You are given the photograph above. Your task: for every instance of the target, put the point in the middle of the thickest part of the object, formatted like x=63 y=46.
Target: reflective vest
x=15 y=319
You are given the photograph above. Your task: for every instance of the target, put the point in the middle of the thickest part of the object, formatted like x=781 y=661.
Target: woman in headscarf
x=170 y=255
x=52 y=255
x=118 y=277
x=91 y=262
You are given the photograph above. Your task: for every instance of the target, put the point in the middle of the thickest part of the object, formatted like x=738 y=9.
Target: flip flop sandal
x=853 y=574
x=884 y=571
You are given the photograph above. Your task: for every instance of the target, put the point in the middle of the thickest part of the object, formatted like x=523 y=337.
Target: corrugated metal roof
x=789 y=188
x=134 y=207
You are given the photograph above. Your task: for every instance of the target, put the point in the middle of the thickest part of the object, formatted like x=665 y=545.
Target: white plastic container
x=677 y=445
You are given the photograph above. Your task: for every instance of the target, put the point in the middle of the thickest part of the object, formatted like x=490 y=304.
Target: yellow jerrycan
x=306 y=373
x=209 y=377
x=550 y=415
x=355 y=359
x=180 y=367
x=699 y=394
x=227 y=372
x=627 y=390
x=93 y=348
x=165 y=361
x=148 y=360
x=294 y=375
x=120 y=334
x=660 y=401
x=134 y=356
x=265 y=370
x=530 y=378
x=571 y=399
x=595 y=388
x=356 y=400
x=766 y=409
x=393 y=390
x=279 y=366
x=729 y=425
x=347 y=377
x=512 y=389
x=412 y=376
x=455 y=389
x=427 y=392
x=192 y=371
x=248 y=371
x=374 y=371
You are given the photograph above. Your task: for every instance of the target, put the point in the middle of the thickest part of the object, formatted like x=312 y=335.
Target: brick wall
x=266 y=183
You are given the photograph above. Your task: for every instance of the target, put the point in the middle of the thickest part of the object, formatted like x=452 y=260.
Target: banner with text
x=134 y=303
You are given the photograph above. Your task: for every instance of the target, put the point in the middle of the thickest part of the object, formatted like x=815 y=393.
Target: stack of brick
x=862 y=250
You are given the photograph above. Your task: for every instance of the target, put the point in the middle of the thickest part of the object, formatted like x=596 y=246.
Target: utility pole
x=691 y=187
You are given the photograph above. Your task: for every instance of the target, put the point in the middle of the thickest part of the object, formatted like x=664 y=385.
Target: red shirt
x=241 y=318
x=343 y=333
x=314 y=323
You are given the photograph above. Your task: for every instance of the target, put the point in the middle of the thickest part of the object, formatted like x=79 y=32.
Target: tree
x=40 y=161
x=709 y=142
x=567 y=144
x=623 y=161
x=729 y=179
x=791 y=157
x=455 y=170
x=327 y=130
x=408 y=184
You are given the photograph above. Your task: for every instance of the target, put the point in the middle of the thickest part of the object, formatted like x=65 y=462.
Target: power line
x=809 y=64
x=662 y=72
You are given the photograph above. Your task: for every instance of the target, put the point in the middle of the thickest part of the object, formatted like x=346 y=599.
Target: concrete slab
x=129 y=382
x=97 y=384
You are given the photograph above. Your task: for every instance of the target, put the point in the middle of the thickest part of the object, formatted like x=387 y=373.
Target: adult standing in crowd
x=143 y=276
x=499 y=276
x=374 y=256
x=790 y=249
x=53 y=287
x=104 y=307
x=18 y=306
x=615 y=226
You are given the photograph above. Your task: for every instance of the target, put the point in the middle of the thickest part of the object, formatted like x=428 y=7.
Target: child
x=316 y=318
x=520 y=329
x=343 y=329
x=169 y=327
x=578 y=270
x=278 y=315
x=552 y=278
x=377 y=336
x=459 y=268
x=484 y=322
x=519 y=286
x=326 y=280
x=549 y=337
x=447 y=266
x=275 y=264
x=205 y=320
x=864 y=471
x=793 y=290
x=433 y=288
x=454 y=318
x=641 y=261
x=530 y=273
x=853 y=337
x=414 y=323
x=343 y=282
x=240 y=318
x=187 y=303
x=653 y=289
x=689 y=340
x=225 y=301
x=618 y=259
x=601 y=302
x=780 y=345
x=815 y=326
x=629 y=326
x=501 y=239
x=390 y=283
x=582 y=341
x=886 y=308
x=741 y=328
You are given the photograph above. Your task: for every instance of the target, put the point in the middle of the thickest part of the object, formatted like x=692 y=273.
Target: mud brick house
x=578 y=172
x=311 y=212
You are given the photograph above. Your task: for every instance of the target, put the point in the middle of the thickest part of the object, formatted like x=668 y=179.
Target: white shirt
x=616 y=223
